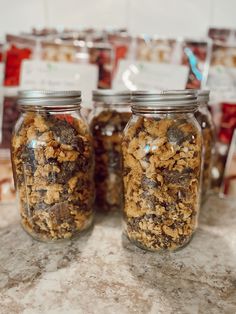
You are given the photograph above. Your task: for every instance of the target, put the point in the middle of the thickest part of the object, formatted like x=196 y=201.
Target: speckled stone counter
x=103 y=273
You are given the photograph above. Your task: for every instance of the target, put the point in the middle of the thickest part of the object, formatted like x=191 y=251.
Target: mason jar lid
x=203 y=95
x=49 y=98
x=110 y=96
x=164 y=100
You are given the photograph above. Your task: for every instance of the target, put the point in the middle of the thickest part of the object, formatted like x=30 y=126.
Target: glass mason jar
x=161 y=149
x=204 y=118
x=108 y=120
x=52 y=157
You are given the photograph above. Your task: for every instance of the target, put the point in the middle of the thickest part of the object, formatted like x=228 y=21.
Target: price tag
x=142 y=75
x=47 y=75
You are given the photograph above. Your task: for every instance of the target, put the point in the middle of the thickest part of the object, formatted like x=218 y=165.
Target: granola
x=107 y=128
x=161 y=174
x=207 y=127
x=52 y=158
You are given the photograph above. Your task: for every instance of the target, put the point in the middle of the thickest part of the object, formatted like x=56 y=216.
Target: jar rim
x=203 y=95
x=49 y=98
x=164 y=100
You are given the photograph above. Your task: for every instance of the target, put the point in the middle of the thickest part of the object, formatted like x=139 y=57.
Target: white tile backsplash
x=20 y=15
x=169 y=17
x=87 y=13
x=163 y=17
x=224 y=13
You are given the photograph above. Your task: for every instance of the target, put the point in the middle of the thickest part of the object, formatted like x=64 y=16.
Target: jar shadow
x=200 y=278
x=25 y=260
x=109 y=219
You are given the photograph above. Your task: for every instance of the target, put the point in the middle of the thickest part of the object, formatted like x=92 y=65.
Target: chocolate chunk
x=169 y=206
x=154 y=218
x=64 y=132
x=61 y=212
x=126 y=171
x=77 y=143
x=28 y=158
x=40 y=206
x=147 y=183
x=176 y=177
x=175 y=135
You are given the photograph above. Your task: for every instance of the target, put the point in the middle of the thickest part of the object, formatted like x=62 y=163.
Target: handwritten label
x=37 y=74
x=140 y=75
x=222 y=83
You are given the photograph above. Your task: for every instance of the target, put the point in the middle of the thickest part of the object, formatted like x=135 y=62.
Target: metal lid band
x=203 y=95
x=49 y=98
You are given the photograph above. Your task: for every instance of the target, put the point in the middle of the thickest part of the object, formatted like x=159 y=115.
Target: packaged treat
x=143 y=48
x=10 y=114
x=80 y=51
x=228 y=121
x=224 y=54
x=109 y=117
x=193 y=53
x=102 y=54
x=222 y=34
x=7 y=190
x=160 y=50
x=162 y=147
x=222 y=79
x=196 y=54
x=224 y=137
x=18 y=48
x=66 y=47
x=121 y=43
x=56 y=50
x=52 y=158
x=204 y=118
x=40 y=32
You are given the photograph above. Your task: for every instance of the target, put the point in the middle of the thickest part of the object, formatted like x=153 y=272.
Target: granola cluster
x=208 y=147
x=107 y=128
x=52 y=159
x=162 y=161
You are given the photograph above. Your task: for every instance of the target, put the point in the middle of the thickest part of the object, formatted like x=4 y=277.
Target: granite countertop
x=103 y=273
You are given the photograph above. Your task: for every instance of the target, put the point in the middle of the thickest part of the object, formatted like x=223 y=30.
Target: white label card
x=142 y=75
x=49 y=75
x=222 y=83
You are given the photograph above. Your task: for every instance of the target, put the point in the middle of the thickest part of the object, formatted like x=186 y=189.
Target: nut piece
x=107 y=128
x=53 y=166
x=162 y=161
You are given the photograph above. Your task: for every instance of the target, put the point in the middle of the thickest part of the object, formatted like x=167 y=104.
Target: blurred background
x=169 y=17
x=125 y=44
